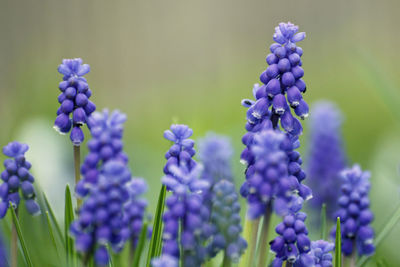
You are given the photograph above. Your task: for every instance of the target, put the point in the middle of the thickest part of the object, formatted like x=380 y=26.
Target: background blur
x=193 y=62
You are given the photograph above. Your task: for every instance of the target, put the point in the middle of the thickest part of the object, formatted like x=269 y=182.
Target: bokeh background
x=192 y=62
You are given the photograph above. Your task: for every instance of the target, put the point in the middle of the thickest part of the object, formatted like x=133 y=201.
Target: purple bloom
x=106 y=145
x=100 y=219
x=321 y=253
x=74 y=100
x=165 y=261
x=355 y=215
x=17 y=180
x=326 y=155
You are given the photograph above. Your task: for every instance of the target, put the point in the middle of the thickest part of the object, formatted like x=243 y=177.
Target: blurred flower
x=326 y=155
x=165 y=261
x=135 y=208
x=17 y=180
x=74 y=99
x=355 y=215
x=100 y=219
x=320 y=252
x=225 y=222
x=106 y=144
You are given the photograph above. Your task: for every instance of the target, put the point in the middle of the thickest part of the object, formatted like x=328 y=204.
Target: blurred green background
x=192 y=62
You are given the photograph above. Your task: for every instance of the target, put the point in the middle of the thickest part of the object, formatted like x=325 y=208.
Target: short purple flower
x=74 y=100
x=321 y=253
x=17 y=180
x=355 y=215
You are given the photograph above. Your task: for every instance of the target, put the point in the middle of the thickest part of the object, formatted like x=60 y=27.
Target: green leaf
x=140 y=245
x=52 y=233
x=68 y=218
x=338 y=245
x=323 y=222
x=156 y=237
x=391 y=223
x=53 y=219
x=20 y=237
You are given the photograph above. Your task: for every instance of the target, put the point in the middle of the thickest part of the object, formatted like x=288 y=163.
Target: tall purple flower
x=355 y=215
x=326 y=155
x=100 y=221
x=106 y=144
x=185 y=217
x=74 y=99
x=17 y=180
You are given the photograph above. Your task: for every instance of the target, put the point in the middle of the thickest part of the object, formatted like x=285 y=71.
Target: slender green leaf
x=338 y=245
x=156 y=242
x=52 y=233
x=21 y=237
x=68 y=218
x=391 y=223
x=140 y=245
x=53 y=219
x=323 y=221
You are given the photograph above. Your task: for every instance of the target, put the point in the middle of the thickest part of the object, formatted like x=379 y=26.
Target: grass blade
x=155 y=242
x=53 y=218
x=21 y=237
x=68 y=218
x=338 y=245
x=323 y=221
x=140 y=245
x=391 y=223
x=52 y=233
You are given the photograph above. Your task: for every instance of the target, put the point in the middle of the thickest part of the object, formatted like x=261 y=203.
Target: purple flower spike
x=354 y=212
x=74 y=99
x=17 y=180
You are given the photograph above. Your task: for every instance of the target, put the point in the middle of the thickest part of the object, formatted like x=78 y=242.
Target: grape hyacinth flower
x=100 y=219
x=17 y=180
x=74 y=99
x=320 y=252
x=225 y=221
x=134 y=209
x=292 y=243
x=106 y=144
x=326 y=155
x=185 y=217
x=355 y=215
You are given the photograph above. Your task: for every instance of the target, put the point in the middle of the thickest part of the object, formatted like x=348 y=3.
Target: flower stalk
x=263 y=244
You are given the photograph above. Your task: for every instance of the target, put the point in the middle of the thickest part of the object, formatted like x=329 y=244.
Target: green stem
x=226 y=262
x=250 y=234
x=323 y=221
x=263 y=244
x=77 y=168
x=14 y=243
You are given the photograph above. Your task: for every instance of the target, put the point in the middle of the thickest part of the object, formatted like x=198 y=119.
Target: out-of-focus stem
x=14 y=243
x=263 y=245
x=77 y=167
x=226 y=262
x=250 y=234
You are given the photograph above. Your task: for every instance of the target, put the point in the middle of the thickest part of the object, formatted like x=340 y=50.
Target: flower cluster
x=292 y=243
x=320 y=252
x=225 y=221
x=100 y=222
x=185 y=217
x=326 y=155
x=134 y=210
x=354 y=213
x=17 y=176
x=74 y=99
x=106 y=144
x=270 y=177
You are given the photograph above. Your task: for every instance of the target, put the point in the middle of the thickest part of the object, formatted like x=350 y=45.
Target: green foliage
x=68 y=218
x=323 y=222
x=140 y=245
x=53 y=218
x=51 y=232
x=21 y=237
x=338 y=245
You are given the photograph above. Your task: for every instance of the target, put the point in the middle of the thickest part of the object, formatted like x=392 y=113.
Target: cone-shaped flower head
x=100 y=219
x=185 y=209
x=272 y=176
x=321 y=254
x=106 y=145
x=326 y=157
x=225 y=222
x=134 y=210
x=74 y=99
x=17 y=180
x=292 y=243
x=355 y=215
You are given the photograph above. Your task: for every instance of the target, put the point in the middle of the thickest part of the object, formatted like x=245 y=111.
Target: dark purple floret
x=74 y=100
x=355 y=215
x=17 y=180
